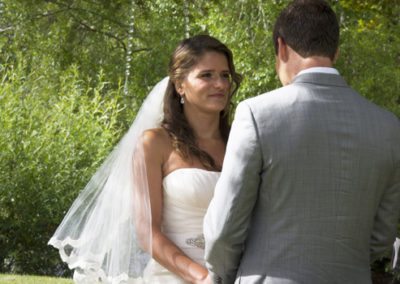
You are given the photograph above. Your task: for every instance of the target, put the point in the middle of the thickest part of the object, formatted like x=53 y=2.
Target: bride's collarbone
x=175 y=162
x=173 y=159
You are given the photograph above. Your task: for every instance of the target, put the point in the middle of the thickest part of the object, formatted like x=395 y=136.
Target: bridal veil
x=104 y=232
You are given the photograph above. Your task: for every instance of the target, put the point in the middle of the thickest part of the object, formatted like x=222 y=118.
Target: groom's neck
x=300 y=63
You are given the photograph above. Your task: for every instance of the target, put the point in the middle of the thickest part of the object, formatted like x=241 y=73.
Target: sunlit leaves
x=53 y=136
x=62 y=65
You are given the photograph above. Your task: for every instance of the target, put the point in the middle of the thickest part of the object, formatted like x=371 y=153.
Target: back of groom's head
x=309 y=27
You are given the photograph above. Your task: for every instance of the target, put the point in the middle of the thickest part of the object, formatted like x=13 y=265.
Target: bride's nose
x=221 y=82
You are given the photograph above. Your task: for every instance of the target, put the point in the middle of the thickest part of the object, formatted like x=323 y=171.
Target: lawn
x=27 y=279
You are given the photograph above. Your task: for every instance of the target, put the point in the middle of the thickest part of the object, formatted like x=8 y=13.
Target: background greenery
x=27 y=279
x=63 y=105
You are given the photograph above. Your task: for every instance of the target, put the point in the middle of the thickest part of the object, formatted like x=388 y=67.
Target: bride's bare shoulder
x=156 y=137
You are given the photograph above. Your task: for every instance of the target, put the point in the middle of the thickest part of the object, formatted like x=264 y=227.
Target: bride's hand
x=206 y=280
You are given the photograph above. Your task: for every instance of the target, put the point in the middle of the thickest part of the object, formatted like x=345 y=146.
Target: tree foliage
x=62 y=105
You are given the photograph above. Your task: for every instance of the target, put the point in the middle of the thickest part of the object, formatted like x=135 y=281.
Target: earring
x=182 y=100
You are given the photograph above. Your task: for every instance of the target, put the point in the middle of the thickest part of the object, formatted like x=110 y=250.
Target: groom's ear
x=336 y=56
x=282 y=50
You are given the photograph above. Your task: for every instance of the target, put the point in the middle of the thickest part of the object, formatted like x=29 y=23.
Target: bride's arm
x=164 y=251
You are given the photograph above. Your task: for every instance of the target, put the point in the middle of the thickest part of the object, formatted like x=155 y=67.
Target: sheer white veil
x=99 y=236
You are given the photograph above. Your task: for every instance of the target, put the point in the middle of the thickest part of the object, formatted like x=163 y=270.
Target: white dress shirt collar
x=328 y=70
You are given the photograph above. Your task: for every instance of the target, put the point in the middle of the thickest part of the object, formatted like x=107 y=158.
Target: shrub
x=54 y=133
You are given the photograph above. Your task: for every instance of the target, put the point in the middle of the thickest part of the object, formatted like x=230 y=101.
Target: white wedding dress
x=187 y=194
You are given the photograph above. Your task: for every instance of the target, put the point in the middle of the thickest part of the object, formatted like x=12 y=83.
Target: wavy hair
x=185 y=56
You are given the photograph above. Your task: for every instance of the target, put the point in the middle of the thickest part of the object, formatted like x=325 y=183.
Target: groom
x=310 y=186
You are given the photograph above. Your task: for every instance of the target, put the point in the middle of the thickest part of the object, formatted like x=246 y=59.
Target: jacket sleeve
x=386 y=220
x=387 y=217
x=227 y=220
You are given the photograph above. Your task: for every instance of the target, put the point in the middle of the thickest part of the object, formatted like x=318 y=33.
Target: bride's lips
x=218 y=96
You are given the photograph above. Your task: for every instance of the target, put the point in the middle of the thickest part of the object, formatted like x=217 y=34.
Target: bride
x=139 y=219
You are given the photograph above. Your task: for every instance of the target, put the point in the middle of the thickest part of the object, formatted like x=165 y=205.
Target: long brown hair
x=185 y=56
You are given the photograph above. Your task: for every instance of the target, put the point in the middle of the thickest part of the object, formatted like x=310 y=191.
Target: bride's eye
x=206 y=75
x=226 y=76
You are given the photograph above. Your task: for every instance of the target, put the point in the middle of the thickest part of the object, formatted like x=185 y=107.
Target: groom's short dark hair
x=309 y=27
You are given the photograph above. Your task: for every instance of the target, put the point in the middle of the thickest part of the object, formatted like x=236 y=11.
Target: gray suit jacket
x=310 y=187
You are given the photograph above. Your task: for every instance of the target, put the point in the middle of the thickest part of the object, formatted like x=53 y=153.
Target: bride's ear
x=179 y=88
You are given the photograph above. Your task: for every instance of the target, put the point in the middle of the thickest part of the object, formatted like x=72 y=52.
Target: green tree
x=62 y=105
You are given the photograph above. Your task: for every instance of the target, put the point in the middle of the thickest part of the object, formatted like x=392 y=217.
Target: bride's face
x=207 y=85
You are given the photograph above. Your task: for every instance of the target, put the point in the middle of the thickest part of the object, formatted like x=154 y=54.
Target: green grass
x=27 y=279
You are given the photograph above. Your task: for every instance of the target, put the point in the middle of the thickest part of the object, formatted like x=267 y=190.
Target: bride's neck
x=205 y=126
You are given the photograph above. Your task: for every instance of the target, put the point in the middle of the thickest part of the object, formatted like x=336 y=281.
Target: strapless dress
x=187 y=194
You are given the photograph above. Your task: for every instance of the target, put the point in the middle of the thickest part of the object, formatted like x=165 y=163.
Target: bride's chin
x=216 y=111
x=217 y=108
